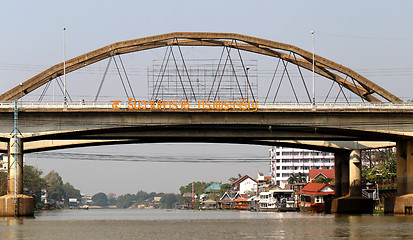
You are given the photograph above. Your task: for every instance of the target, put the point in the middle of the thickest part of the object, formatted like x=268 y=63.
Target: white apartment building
x=287 y=161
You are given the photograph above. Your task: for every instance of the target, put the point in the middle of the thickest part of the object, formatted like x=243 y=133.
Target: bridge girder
x=323 y=66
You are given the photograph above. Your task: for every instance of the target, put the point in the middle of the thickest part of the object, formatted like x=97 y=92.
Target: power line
x=365 y=37
x=151 y=159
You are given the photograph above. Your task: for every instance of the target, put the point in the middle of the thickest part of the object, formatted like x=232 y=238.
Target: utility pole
x=246 y=87
x=193 y=194
x=64 y=66
x=312 y=33
x=16 y=205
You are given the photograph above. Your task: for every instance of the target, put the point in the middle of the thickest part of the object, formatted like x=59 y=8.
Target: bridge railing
x=261 y=106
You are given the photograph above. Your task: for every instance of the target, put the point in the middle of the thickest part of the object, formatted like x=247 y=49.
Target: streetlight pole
x=246 y=87
x=64 y=65
x=312 y=33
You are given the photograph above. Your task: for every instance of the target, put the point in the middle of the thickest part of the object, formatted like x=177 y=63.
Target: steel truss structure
x=343 y=76
x=202 y=79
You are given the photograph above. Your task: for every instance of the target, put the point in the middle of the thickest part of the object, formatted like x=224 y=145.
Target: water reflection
x=161 y=224
x=12 y=226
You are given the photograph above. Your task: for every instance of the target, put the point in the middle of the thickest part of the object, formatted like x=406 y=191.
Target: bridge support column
x=403 y=202
x=355 y=173
x=351 y=199
x=341 y=177
x=15 y=204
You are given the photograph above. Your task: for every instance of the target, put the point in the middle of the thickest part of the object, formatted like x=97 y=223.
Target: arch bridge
x=341 y=128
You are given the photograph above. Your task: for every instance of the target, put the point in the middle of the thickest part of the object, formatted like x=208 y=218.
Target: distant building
x=288 y=161
x=45 y=196
x=213 y=188
x=264 y=182
x=244 y=185
x=4 y=163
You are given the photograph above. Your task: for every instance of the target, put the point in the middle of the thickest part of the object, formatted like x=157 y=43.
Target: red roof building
x=321 y=173
x=317 y=189
x=314 y=195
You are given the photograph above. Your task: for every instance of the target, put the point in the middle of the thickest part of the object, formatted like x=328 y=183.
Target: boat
x=278 y=200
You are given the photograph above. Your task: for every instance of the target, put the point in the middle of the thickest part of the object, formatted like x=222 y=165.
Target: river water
x=185 y=224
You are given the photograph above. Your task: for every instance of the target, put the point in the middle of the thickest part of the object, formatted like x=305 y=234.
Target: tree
x=169 y=200
x=224 y=188
x=71 y=192
x=100 y=199
x=384 y=171
x=55 y=186
x=233 y=179
x=33 y=183
x=125 y=201
x=297 y=178
x=199 y=187
x=111 y=198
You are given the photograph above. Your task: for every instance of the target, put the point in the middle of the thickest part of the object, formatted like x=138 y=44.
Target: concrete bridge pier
x=349 y=198
x=403 y=202
x=15 y=204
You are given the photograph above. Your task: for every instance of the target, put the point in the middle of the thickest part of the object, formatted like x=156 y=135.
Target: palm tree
x=297 y=178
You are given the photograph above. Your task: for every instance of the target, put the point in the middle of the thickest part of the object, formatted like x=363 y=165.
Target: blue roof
x=213 y=187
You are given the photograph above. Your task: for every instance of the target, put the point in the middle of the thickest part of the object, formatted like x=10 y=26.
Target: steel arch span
x=324 y=67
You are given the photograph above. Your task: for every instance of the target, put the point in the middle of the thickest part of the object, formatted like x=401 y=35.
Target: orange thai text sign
x=243 y=105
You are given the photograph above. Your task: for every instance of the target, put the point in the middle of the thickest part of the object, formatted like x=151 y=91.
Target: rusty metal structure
x=344 y=76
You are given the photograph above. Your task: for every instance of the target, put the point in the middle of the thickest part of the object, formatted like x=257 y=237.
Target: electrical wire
x=151 y=159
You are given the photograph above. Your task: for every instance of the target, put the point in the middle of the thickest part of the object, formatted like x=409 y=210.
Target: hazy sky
x=374 y=38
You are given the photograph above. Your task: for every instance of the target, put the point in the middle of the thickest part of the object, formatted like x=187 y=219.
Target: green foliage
x=127 y=200
x=169 y=200
x=55 y=186
x=297 y=178
x=384 y=174
x=111 y=199
x=33 y=182
x=71 y=192
x=199 y=188
x=233 y=179
x=322 y=180
x=224 y=188
x=59 y=191
x=100 y=199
